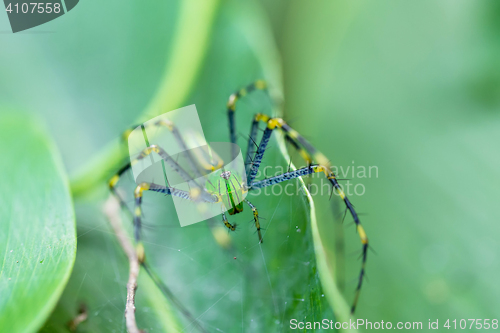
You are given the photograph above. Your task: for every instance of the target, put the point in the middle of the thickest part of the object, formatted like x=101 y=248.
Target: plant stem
x=112 y=211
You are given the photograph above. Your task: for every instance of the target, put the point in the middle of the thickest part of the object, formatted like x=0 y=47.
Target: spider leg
x=231 y=104
x=180 y=141
x=166 y=157
x=303 y=153
x=255 y=218
x=195 y=194
x=272 y=124
x=137 y=219
x=170 y=126
x=285 y=176
x=259 y=154
x=112 y=186
x=324 y=164
x=323 y=161
x=251 y=144
x=137 y=212
x=231 y=108
x=231 y=227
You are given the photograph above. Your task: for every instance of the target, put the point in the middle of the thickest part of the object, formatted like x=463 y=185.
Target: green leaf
x=38 y=238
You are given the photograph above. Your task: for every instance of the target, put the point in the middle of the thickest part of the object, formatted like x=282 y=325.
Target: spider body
x=227 y=187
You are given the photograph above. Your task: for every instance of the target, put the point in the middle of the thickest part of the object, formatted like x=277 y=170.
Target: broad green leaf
x=38 y=238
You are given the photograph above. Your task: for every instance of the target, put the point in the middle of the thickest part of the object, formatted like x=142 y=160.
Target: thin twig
x=112 y=211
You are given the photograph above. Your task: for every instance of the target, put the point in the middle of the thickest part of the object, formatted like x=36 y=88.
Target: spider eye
x=226 y=174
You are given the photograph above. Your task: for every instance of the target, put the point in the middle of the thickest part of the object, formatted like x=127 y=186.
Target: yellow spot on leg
x=138 y=211
x=141 y=188
x=362 y=234
x=113 y=181
x=231 y=104
x=321 y=159
x=260 y=84
x=293 y=133
x=261 y=117
x=305 y=156
x=275 y=122
x=139 y=250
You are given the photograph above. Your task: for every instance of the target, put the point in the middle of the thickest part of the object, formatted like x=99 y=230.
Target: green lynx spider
x=317 y=163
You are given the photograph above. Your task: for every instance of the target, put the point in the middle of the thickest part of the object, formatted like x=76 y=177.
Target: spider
x=225 y=186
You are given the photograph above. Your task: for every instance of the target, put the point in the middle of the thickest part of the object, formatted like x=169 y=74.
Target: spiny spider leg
x=285 y=176
x=273 y=123
x=305 y=149
x=303 y=153
x=167 y=191
x=228 y=225
x=170 y=126
x=136 y=213
x=138 y=192
x=251 y=144
x=231 y=107
x=252 y=164
x=255 y=218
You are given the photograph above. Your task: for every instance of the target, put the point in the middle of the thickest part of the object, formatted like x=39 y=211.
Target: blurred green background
x=410 y=87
